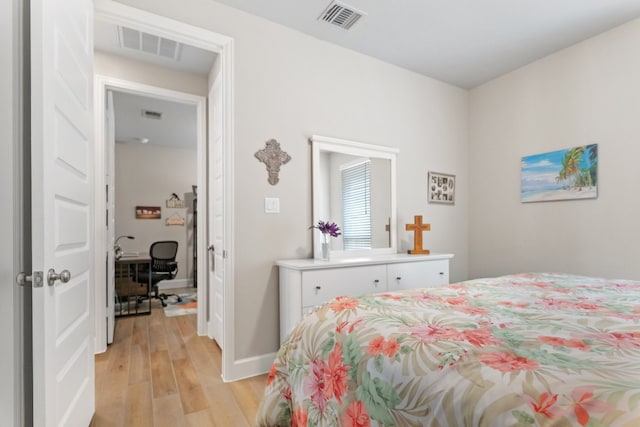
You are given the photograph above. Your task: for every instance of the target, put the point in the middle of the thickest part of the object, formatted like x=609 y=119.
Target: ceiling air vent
x=147 y=114
x=149 y=43
x=341 y=15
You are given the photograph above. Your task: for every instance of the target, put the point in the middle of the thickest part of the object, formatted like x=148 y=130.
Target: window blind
x=356 y=200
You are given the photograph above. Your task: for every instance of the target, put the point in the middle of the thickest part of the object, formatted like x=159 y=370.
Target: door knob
x=212 y=250
x=52 y=276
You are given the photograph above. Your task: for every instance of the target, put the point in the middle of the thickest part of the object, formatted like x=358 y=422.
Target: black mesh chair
x=163 y=267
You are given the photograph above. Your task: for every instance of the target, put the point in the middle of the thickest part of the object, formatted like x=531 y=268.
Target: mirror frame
x=359 y=149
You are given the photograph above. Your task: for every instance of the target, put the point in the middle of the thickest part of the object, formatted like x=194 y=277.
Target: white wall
x=147 y=175
x=586 y=94
x=106 y=64
x=289 y=86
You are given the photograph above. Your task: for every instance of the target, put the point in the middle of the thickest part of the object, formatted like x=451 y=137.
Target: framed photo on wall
x=568 y=174
x=441 y=188
x=148 y=212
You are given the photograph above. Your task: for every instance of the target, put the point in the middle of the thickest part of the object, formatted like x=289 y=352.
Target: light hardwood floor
x=159 y=372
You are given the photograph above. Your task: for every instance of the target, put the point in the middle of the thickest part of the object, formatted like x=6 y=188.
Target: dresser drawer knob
x=376 y=282
x=398 y=278
x=442 y=273
x=317 y=289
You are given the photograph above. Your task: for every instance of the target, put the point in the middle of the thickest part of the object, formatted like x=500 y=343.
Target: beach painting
x=560 y=175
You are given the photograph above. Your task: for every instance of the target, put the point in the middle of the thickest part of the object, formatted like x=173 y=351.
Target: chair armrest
x=173 y=266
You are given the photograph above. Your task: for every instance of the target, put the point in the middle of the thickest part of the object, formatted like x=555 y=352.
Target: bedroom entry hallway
x=221 y=77
x=159 y=372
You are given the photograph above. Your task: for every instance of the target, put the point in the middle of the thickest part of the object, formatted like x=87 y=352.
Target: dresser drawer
x=319 y=286
x=411 y=275
x=307 y=283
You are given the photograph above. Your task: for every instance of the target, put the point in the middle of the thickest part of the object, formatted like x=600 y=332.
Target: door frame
x=118 y=13
x=15 y=406
x=101 y=85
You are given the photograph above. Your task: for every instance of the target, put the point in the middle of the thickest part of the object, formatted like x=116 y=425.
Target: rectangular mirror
x=354 y=186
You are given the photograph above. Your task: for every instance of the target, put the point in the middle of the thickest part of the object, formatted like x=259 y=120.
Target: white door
x=109 y=154
x=216 y=222
x=62 y=217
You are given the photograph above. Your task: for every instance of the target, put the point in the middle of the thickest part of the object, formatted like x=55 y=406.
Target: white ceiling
x=462 y=42
x=177 y=128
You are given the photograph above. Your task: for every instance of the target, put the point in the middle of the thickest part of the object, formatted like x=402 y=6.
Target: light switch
x=271 y=205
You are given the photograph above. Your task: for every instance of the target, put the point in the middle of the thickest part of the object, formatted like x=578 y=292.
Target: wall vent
x=149 y=43
x=341 y=15
x=155 y=115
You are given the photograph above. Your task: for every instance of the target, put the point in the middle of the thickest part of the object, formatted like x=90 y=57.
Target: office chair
x=163 y=267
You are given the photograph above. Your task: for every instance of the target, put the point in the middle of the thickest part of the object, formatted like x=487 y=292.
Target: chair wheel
x=179 y=299
x=164 y=304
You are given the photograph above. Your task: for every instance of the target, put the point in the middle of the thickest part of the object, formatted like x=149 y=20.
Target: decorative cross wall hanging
x=417 y=229
x=273 y=157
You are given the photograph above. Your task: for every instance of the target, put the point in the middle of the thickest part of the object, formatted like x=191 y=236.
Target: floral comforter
x=520 y=350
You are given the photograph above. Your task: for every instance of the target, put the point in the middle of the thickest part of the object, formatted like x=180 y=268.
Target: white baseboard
x=175 y=283
x=250 y=367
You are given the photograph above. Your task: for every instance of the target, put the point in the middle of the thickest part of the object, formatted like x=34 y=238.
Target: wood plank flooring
x=159 y=372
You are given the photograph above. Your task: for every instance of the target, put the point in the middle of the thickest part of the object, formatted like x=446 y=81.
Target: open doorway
x=222 y=75
x=151 y=163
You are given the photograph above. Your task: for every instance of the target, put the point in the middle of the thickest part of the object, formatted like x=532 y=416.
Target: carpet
x=188 y=305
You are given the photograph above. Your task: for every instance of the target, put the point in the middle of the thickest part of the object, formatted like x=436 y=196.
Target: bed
x=518 y=350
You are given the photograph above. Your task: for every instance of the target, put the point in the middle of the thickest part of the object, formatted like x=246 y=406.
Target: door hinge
x=37 y=279
x=224 y=254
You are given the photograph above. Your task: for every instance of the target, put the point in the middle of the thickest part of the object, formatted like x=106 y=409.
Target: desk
x=131 y=297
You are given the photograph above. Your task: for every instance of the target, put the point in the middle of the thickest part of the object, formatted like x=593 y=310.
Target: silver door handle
x=212 y=250
x=52 y=276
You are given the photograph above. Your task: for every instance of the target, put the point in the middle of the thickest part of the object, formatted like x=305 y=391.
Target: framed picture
x=567 y=174
x=148 y=212
x=441 y=188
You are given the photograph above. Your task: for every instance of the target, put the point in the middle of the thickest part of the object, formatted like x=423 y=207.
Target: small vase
x=325 y=251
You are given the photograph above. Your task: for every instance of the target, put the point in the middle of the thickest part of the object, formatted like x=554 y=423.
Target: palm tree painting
x=560 y=175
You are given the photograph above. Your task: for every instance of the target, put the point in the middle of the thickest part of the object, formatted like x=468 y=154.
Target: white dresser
x=305 y=283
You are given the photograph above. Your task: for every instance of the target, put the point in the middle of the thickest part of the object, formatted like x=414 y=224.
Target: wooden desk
x=132 y=298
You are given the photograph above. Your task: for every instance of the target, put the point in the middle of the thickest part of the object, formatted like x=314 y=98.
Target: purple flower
x=330 y=228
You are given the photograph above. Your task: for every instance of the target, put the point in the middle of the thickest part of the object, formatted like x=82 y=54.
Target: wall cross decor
x=273 y=157
x=418 y=227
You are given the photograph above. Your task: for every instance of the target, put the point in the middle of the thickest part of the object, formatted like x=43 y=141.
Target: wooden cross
x=417 y=229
